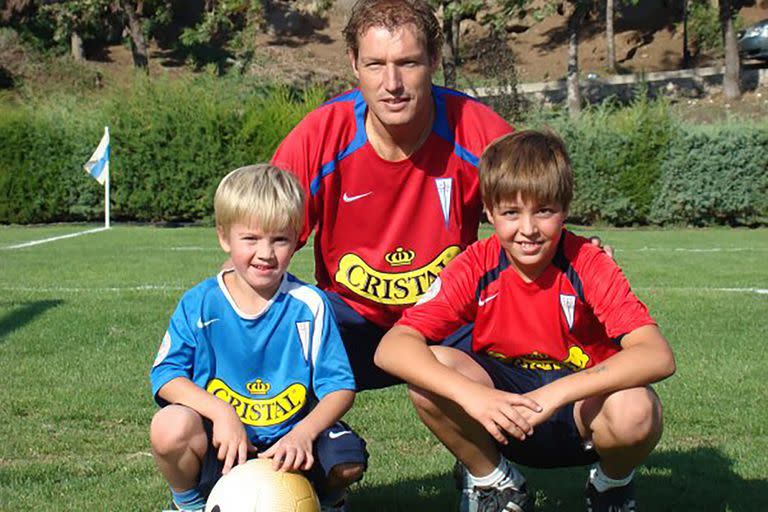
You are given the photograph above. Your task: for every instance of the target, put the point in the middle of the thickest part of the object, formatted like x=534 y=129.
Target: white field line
x=693 y=249
x=759 y=291
x=52 y=239
x=165 y=287
x=139 y=288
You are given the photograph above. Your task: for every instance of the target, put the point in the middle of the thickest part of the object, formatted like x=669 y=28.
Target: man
x=390 y=171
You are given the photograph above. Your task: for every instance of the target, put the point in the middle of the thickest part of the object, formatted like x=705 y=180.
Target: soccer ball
x=256 y=487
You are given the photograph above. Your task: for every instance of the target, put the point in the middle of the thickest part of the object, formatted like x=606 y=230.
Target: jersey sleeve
x=296 y=154
x=610 y=296
x=449 y=303
x=176 y=355
x=332 y=371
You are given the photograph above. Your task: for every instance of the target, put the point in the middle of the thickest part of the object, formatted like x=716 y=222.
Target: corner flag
x=98 y=165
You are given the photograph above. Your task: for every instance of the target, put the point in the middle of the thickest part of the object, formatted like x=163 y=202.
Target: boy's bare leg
x=179 y=444
x=624 y=427
x=463 y=436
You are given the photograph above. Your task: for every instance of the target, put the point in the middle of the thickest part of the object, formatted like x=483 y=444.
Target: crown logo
x=400 y=257
x=258 y=387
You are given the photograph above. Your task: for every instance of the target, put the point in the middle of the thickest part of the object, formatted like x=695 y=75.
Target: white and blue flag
x=98 y=165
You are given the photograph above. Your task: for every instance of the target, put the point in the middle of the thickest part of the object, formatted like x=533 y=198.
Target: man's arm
x=645 y=358
x=294 y=450
x=403 y=352
x=229 y=435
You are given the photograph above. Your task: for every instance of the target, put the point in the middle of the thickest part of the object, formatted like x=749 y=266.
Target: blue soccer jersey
x=271 y=367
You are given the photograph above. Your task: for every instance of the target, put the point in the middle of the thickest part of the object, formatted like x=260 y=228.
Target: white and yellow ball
x=256 y=487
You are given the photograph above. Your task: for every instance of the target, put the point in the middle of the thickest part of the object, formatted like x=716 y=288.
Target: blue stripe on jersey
x=492 y=274
x=561 y=262
x=359 y=141
x=443 y=129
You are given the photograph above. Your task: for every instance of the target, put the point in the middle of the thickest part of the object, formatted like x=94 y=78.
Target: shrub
x=172 y=141
x=715 y=175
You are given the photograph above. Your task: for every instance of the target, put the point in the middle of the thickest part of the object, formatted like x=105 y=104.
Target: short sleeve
x=176 y=354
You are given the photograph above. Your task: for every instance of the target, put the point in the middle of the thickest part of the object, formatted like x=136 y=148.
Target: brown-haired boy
x=562 y=351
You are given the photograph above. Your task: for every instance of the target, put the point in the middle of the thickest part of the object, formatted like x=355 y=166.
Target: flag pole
x=106 y=186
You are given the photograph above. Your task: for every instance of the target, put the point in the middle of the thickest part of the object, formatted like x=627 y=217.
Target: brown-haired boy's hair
x=532 y=163
x=392 y=14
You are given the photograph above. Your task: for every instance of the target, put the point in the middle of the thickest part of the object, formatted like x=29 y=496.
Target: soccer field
x=81 y=319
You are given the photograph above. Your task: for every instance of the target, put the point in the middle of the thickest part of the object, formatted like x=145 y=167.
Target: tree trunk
x=609 y=35
x=76 y=46
x=573 y=90
x=139 y=48
x=449 y=58
x=732 y=72
x=456 y=39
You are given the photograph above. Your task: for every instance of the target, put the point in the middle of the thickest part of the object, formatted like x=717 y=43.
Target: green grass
x=81 y=319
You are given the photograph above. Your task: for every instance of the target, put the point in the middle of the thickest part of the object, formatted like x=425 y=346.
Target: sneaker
x=173 y=507
x=617 y=499
x=339 y=506
x=489 y=499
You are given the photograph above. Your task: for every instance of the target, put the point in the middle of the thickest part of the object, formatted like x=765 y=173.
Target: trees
x=732 y=71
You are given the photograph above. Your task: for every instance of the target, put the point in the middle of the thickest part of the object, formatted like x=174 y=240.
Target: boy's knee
x=634 y=416
x=423 y=400
x=174 y=427
x=344 y=475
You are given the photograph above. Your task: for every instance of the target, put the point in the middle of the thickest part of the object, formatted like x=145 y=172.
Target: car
x=753 y=41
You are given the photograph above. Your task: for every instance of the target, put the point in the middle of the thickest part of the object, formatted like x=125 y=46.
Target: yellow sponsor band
x=577 y=360
x=264 y=412
x=396 y=288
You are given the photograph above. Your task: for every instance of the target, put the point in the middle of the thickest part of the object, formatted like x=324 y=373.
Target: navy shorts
x=361 y=338
x=335 y=445
x=554 y=443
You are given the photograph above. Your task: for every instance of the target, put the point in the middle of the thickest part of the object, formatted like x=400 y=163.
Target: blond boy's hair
x=534 y=164
x=261 y=195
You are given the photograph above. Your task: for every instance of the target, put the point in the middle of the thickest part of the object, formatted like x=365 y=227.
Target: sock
x=505 y=475
x=191 y=499
x=602 y=482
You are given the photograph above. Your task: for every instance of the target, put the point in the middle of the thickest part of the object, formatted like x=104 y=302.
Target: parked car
x=753 y=41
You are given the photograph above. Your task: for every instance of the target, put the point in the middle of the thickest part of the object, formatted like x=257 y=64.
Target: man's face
x=394 y=71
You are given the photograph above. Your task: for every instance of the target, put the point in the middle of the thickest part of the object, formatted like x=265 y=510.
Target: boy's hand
x=498 y=412
x=293 y=452
x=230 y=438
x=548 y=403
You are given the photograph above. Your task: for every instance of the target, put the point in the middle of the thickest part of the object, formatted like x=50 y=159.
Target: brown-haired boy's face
x=529 y=233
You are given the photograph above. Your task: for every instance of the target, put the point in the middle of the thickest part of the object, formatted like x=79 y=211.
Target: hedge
x=173 y=140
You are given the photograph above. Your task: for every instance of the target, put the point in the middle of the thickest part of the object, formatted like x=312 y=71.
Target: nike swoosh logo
x=349 y=199
x=483 y=302
x=336 y=435
x=201 y=324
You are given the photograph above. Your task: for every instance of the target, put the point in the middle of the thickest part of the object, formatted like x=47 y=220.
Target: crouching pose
x=562 y=352
x=252 y=362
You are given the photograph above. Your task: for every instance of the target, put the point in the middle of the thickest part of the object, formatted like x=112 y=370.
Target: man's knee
x=175 y=428
x=344 y=475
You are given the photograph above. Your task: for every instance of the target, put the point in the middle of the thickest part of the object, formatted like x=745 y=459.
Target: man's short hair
x=532 y=163
x=260 y=195
x=392 y=14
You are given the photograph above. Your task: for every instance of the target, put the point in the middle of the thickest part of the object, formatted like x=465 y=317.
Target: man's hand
x=293 y=452
x=499 y=412
x=595 y=240
x=230 y=438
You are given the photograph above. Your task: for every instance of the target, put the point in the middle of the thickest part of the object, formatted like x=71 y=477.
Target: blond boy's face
x=260 y=257
x=529 y=233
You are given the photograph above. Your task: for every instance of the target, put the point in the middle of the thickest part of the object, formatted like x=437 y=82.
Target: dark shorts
x=554 y=443
x=361 y=339
x=336 y=445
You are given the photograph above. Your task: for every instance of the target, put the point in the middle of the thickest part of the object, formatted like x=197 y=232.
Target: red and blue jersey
x=572 y=316
x=384 y=230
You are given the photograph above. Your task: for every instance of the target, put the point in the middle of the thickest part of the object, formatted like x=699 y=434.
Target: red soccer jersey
x=572 y=316
x=385 y=230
